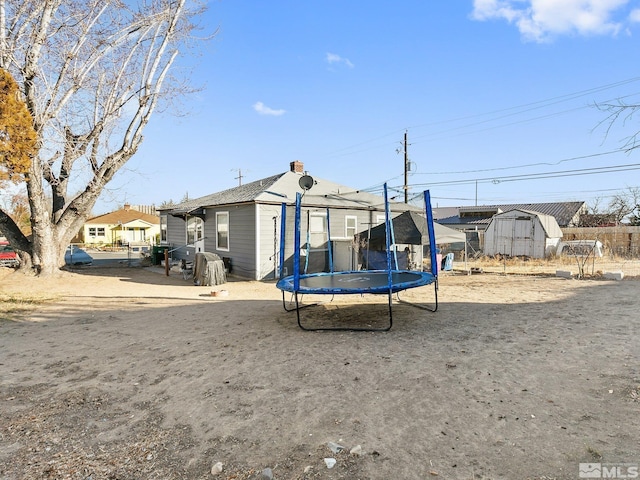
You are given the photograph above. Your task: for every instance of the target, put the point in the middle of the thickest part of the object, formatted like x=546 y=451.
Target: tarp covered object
x=411 y=228
x=208 y=269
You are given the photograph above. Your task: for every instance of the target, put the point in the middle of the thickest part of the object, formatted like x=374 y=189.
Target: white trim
x=314 y=232
x=346 y=226
x=225 y=212
x=257 y=242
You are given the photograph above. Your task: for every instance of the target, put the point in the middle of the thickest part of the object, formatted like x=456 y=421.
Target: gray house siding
x=177 y=237
x=241 y=252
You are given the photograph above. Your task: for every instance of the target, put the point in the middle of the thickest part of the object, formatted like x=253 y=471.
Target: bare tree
x=91 y=72
x=620 y=112
x=626 y=204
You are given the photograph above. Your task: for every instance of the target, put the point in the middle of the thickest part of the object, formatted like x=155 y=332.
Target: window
x=317 y=230
x=96 y=231
x=163 y=228
x=351 y=226
x=194 y=230
x=222 y=230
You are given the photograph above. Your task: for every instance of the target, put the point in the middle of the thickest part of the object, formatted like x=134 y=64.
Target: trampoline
x=378 y=282
x=361 y=281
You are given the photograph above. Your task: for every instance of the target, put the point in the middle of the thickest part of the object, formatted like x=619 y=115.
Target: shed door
x=502 y=237
x=523 y=234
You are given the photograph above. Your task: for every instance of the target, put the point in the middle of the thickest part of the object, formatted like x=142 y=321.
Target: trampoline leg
x=344 y=329
x=298 y=311
x=284 y=304
x=424 y=307
x=435 y=293
x=390 y=311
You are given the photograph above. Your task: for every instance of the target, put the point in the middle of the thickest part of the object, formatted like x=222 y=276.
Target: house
x=124 y=227
x=242 y=224
x=522 y=233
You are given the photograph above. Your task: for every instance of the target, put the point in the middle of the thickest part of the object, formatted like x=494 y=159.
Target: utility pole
x=476 y=193
x=239 y=177
x=406 y=170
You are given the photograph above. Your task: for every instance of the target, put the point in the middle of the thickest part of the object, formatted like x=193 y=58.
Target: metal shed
x=522 y=233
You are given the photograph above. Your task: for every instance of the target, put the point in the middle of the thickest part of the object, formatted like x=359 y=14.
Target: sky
x=501 y=101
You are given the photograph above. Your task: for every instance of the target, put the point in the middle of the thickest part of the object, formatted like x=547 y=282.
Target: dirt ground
x=129 y=374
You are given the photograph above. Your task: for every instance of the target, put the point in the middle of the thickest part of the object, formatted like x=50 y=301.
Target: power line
x=527 y=165
x=526 y=120
x=538 y=176
x=516 y=110
x=538 y=104
x=516 y=178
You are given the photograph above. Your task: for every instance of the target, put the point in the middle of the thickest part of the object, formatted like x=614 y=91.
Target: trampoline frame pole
x=432 y=235
x=296 y=246
x=388 y=233
x=329 y=249
x=283 y=233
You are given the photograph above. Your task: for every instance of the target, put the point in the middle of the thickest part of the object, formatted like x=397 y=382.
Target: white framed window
x=194 y=230
x=96 y=231
x=163 y=228
x=318 y=230
x=350 y=226
x=222 y=231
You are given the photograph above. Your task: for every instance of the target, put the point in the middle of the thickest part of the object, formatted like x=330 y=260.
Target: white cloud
x=542 y=20
x=333 y=58
x=262 y=109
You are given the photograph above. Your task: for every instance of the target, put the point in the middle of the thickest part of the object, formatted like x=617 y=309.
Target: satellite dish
x=306 y=182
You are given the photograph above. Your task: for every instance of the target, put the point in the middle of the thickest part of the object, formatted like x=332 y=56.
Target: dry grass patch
x=13 y=305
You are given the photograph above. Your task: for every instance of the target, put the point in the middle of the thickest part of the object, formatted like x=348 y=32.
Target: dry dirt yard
x=130 y=374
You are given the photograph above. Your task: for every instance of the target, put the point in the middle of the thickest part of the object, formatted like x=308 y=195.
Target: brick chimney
x=297 y=166
x=126 y=207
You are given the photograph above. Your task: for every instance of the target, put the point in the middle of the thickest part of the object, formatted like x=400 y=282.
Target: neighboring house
x=124 y=227
x=474 y=219
x=522 y=233
x=242 y=224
